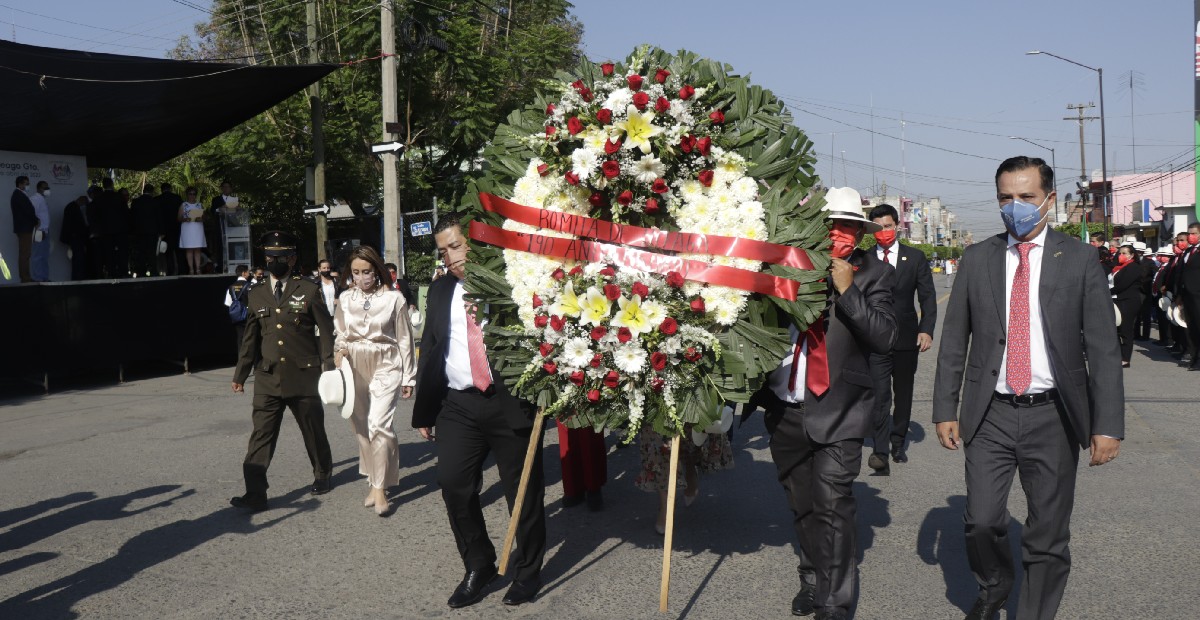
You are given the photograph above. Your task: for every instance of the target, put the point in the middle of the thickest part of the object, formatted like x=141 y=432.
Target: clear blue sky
x=956 y=71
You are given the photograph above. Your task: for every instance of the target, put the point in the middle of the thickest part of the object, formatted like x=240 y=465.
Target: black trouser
x=24 y=255
x=79 y=261
x=1145 y=317
x=893 y=375
x=1128 y=327
x=1165 y=334
x=145 y=255
x=1036 y=441
x=818 y=479
x=268 y=416
x=1191 y=311
x=116 y=255
x=469 y=426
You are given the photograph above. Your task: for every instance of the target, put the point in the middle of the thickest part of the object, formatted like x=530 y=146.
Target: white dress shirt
x=458 y=355
x=1040 y=377
x=781 y=376
x=41 y=210
x=327 y=291
x=891 y=255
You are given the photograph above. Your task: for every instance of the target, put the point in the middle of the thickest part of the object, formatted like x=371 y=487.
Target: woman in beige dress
x=375 y=338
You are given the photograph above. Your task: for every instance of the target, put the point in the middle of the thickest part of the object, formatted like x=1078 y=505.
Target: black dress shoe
x=899 y=455
x=595 y=501
x=878 y=461
x=251 y=503
x=321 y=486
x=470 y=591
x=984 y=610
x=569 y=501
x=1185 y=360
x=522 y=591
x=802 y=605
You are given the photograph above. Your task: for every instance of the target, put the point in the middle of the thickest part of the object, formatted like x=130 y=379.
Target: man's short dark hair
x=391 y=267
x=22 y=179
x=1195 y=225
x=106 y=182
x=242 y=270
x=884 y=210
x=446 y=222
x=1021 y=162
x=324 y=261
x=164 y=188
x=42 y=184
x=1097 y=236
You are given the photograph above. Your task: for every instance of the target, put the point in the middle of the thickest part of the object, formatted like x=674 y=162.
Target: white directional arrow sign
x=387 y=147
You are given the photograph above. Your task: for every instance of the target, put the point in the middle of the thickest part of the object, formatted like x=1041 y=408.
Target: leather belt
x=491 y=390
x=1027 y=400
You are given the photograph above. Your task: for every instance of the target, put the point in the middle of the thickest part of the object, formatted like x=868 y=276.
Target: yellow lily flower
x=595 y=307
x=638 y=128
x=568 y=303
x=631 y=315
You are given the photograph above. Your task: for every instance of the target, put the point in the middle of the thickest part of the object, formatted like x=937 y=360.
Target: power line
x=885 y=135
x=74 y=37
x=105 y=29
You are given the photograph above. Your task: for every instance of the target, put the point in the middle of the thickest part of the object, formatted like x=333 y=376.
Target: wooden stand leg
x=535 y=444
x=666 y=563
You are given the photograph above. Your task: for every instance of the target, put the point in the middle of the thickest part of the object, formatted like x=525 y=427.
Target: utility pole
x=1080 y=107
x=317 y=115
x=391 y=184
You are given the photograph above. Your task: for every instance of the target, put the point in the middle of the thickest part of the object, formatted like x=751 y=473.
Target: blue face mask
x=1021 y=218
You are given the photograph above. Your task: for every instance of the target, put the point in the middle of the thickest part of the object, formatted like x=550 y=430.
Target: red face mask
x=1193 y=238
x=1124 y=258
x=886 y=237
x=845 y=239
x=1163 y=259
x=1180 y=246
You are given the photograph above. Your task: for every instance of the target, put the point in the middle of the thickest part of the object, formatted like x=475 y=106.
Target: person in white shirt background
x=39 y=260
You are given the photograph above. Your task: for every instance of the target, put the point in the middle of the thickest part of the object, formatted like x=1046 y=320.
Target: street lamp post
x=1103 y=143
x=1053 y=166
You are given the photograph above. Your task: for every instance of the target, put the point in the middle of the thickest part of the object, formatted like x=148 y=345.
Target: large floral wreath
x=669 y=143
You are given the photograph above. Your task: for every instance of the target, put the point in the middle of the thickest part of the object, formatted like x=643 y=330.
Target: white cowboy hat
x=336 y=389
x=720 y=426
x=1117 y=311
x=1177 y=316
x=1140 y=246
x=845 y=203
x=1164 y=302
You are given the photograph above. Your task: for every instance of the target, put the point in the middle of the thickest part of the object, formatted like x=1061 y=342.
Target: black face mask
x=326 y=274
x=279 y=268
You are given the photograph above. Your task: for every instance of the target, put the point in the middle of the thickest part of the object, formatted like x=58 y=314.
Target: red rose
x=604 y=115
x=705 y=177
x=612 y=146
x=543 y=169
x=550 y=129
x=660 y=76
x=596 y=199
x=571 y=178
x=624 y=335
x=578 y=85
x=691 y=355
x=635 y=81
x=596 y=360
x=576 y=270
x=658 y=360
x=606 y=68
x=687 y=143
x=704 y=145
x=686 y=92
x=556 y=323
x=611 y=379
x=651 y=206
x=657 y=384
x=593 y=395
x=611 y=168
x=549 y=109
x=540 y=321
x=625 y=198
x=546 y=349
x=669 y=326
x=717 y=117
x=550 y=368
x=577 y=377
x=660 y=187
x=639 y=289
x=662 y=105
x=586 y=94
x=608 y=271
x=612 y=291
x=537 y=301
x=574 y=125
x=674 y=279
x=599 y=332
x=558 y=275
x=641 y=100
x=698 y=305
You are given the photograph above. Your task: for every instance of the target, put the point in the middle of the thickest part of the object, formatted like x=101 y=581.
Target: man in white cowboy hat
x=1141 y=329
x=819 y=407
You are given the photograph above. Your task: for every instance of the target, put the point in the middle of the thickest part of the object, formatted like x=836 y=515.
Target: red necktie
x=481 y=376
x=817 y=364
x=1017 y=371
x=885 y=256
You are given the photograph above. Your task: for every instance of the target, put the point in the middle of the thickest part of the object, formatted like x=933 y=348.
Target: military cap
x=278 y=243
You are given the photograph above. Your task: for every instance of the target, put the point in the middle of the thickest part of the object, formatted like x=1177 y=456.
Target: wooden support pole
x=673 y=481
x=535 y=444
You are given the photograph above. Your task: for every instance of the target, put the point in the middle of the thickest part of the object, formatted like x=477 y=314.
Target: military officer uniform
x=288 y=341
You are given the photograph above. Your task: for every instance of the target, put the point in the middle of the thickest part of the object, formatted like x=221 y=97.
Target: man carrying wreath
x=819 y=406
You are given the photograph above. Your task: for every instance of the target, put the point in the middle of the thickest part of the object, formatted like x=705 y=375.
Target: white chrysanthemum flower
x=584 y=161
x=648 y=168
x=751 y=210
x=744 y=189
x=753 y=229
x=594 y=138
x=671 y=346
x=618 y=100
x=576 y=352
x=630 y=358
x=680 y=112
x=722 y=199
x=691 y=190
x=692 y=288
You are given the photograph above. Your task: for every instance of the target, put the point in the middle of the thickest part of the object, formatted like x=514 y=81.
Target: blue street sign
x=420 y=229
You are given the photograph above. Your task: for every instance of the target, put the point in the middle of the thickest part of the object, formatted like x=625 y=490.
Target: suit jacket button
x=995 y=373
x=1001 y=341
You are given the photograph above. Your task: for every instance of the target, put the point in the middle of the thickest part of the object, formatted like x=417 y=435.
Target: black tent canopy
x=127 y=111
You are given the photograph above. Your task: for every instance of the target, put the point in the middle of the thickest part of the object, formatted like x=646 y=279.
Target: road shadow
x=17 y=515
x=941 y=541
x=872 y=514
x=102 y=509
x=25 y=561
x=144 y=551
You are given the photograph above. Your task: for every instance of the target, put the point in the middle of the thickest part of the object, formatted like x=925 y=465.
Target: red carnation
x=604 y=115
x=691 y=355
x=717 y=117
x=571 y=178
x=658 y=360
x=686 y=92
x=698 y=305
x=635 y=81
x=660 y=76
x=543 y=169
x=608 y=271
x=639 y=289
x=611 y=168
x=611 y=379
x=674 y=279
x=556 y=323
x=596 y=360
x=657 y=384
x=669 y=326
x=612 y=146
x=574 y=125
x=550 y=368
x=558 y=275
x=546 y=349
x=624 y=335
x=577 y=377
x=662 y=105
x=550 y=129
x=651 y=206
x=704 y=145
x=596 y=199
x=641 y=100
x=549 y=109
x=660 y=186
x=593 y=395
x=537 y=301
x=606 y=68
x=612 y=291
x=599 y=332
x=625 y=198
x=705 y=177
x=576 y=270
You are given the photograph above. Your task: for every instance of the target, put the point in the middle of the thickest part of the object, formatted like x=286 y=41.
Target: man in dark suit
x=24 y=221
x=1170 y=286
x=475 y=415
x=894 y=372
x=1188 y=286
x=1018 y=314
x=819 y=407
x=168 y=213
x=74 y=235
x=288 y=340
x=146 y=225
